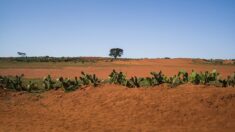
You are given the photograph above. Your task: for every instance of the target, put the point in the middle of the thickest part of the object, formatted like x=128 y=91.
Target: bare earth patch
x=116 y=108
x=142 y=68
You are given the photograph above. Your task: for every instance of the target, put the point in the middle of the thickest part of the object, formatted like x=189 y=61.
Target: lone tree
x=116 y=52
x=21 y=54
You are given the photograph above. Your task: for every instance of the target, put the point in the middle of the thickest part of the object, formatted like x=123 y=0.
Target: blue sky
x=143 y=28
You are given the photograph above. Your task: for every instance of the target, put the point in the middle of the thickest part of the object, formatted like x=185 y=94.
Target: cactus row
x=119 y=78
x=183 y=77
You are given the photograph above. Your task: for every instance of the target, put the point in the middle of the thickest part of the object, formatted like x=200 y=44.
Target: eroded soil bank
x=116 y=108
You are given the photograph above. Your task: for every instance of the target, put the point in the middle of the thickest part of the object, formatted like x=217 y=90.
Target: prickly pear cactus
x=158 y=78
x=48 y=83
x=117 y=78
x=194 y=78
x=134 y=82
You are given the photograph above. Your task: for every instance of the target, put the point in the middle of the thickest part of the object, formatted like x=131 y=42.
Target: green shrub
x=174 y=81
x=224 y=82
x=69 y=85
x=48 y=83
x=4 y=81
x=117 y=78
x=157 y=79
x=32 y=86
x=214 y=76
x=84 y=78
x=231 y=80
x=204 y=77
x=211 y=78
x=94 y=80
x=180 y=78
x=89 y=79
x=15 y=83
x=194 y=78
x=134 y=82
x=183 y=76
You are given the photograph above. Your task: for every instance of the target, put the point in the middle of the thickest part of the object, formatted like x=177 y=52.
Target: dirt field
x=103 y=69
x=116 y=108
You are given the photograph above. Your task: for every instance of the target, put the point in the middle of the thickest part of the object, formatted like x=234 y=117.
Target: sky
x=142 y=28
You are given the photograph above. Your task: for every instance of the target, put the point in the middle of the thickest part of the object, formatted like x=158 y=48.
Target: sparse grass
x=212 y=62
x=54 y=65
x=41 y=65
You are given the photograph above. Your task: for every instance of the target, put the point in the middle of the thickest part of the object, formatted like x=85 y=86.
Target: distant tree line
x=114 y=52
x=50 y=59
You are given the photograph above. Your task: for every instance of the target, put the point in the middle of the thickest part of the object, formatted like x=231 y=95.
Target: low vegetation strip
x=157 y=78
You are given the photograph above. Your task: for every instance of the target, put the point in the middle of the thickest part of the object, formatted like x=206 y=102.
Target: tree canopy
x=21 y=54
x=116 y=52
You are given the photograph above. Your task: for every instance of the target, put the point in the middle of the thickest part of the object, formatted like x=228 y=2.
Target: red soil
x=131 y=68
x=115 y=108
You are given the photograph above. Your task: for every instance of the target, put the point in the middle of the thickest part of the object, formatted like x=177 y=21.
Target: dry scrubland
x=116 y=108
x=103 y=68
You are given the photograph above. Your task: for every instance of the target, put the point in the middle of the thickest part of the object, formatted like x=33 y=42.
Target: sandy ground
x=142 y=68
x=115 y=108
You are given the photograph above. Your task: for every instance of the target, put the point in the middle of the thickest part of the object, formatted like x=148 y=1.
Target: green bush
x=69 y=85
x=211 y=78
x=117 y=78
x=89 y=79
x=183 y=76
x=174 y=81
x=194 y=78
x=48 y=83
x=231 y=80
x=134 y=82
x=32 y=86
x=157 y=79
x=15 y=83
